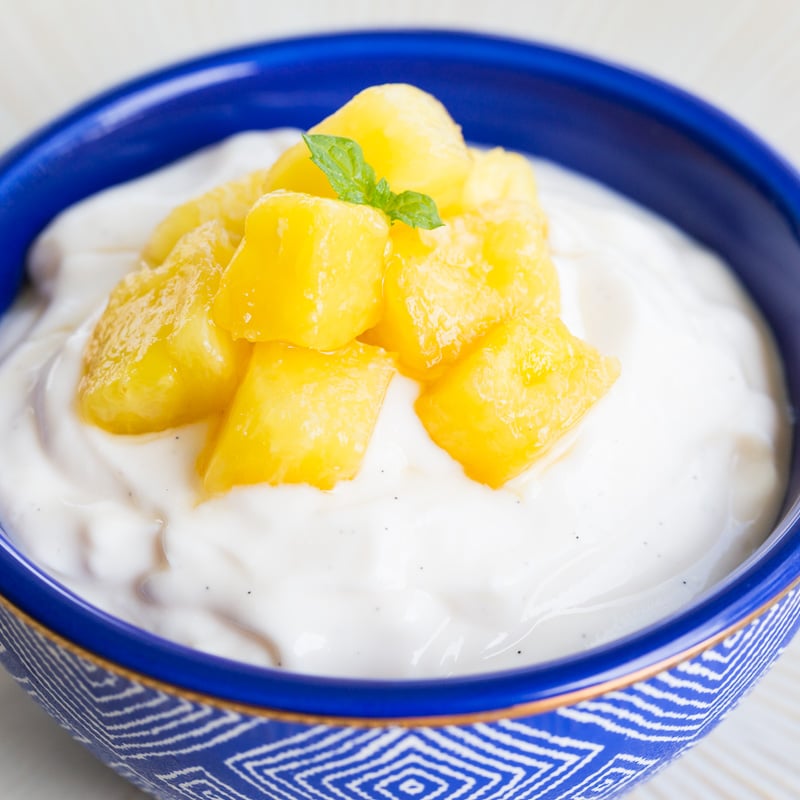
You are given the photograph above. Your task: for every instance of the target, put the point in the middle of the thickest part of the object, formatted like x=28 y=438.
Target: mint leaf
x=342 y=161
x=353 y=180
x=381 y=195
x=417 y=210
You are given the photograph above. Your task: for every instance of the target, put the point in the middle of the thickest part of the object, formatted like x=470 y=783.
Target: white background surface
x=742 y=55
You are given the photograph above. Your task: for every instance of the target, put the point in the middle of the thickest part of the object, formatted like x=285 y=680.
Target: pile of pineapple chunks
x=281 y=313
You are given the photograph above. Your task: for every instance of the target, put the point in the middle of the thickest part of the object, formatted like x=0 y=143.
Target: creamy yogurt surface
x=411 y=569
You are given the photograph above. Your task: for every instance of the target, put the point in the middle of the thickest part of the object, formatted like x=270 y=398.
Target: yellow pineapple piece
x=228 y=203
x=505 y=403
x=155 y=359
x=445 y=288
x=299 y=416
x=495 y=175
x=308 y=272
x=407 y=136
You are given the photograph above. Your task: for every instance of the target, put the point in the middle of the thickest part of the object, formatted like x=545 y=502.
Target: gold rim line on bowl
x=517 y=711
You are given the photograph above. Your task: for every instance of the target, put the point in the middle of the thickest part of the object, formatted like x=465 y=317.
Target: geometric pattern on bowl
x=164 y=742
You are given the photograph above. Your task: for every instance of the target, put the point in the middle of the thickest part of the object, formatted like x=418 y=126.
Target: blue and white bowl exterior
x=176 y=746
x=183 y=725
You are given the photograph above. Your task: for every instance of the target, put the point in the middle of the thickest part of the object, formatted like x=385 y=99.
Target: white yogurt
x=411 y=569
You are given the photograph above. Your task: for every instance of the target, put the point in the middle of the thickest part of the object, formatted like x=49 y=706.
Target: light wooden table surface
x=742 y=55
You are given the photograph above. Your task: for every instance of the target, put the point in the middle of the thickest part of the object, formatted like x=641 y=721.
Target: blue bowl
x=180 y=724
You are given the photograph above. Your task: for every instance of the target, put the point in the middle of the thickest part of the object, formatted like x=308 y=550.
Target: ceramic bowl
x=183 y=725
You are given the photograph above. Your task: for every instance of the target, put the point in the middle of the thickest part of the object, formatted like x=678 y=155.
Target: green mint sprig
x=353 y=180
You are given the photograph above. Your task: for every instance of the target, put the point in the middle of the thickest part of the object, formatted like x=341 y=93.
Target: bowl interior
x=655 y=144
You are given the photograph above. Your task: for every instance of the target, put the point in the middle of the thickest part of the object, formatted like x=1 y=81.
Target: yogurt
x=410 y=570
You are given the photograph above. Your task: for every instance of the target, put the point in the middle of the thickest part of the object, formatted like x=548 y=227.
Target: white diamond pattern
x=178 y=749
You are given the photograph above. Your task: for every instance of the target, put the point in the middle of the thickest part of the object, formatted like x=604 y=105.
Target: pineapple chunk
x=505 y=403
x=155 y=359
x=299 y=416
x=498 y=174
x=308 y=272
x=228 y=203
x=445 y=288
x=407 y=136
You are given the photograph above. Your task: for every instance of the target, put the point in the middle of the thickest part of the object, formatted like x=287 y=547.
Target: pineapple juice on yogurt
x=386 y=406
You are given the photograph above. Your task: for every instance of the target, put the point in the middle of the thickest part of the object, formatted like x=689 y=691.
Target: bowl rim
x=757 y=585
x=437 y=720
